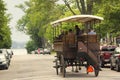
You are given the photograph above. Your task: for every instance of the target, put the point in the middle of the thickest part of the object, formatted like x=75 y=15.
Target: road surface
x=40 y=67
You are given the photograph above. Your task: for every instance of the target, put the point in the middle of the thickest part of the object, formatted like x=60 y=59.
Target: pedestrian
x=38 y=50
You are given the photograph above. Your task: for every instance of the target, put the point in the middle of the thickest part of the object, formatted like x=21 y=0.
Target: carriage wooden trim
x=88 y=38
x=58 y=46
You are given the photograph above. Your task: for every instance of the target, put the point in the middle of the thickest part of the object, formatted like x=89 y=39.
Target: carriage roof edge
x=77 y=18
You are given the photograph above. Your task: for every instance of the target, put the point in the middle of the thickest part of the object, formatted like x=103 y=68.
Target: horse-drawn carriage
x=75 y=50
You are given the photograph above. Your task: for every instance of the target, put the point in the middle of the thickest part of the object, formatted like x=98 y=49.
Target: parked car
x=10 y=53
x=47 y=51
x=106 y=52
x=39 y=51
x=4 y=59
x=115 y=60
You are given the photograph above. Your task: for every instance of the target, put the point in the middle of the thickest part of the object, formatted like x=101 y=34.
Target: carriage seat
x=72 y=40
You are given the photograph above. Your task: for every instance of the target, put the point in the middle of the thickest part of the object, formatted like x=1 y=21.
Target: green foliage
x=30 y=46
x=38 y=15
x=110 y=11
x=37 y=18
x=5 y=39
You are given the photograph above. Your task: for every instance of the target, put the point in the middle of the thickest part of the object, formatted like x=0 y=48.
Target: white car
x=4 y=59
x=115 y=60
x=10 y=53
x=47 y=51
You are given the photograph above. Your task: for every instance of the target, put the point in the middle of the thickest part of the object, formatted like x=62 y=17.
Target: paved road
x=40 y=67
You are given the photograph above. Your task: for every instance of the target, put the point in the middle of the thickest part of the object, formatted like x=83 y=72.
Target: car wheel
x=117 y=68
x=102 y=64
x=6 y=66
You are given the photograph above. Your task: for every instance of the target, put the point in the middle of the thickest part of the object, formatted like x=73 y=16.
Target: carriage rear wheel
x=63 y=66
x=57 y=66
x=96 y=72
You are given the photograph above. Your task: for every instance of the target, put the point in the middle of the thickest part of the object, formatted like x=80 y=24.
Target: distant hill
x=18 y=45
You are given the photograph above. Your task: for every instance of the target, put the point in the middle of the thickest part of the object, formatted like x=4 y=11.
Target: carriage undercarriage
x=75 y=65
x=76 y=57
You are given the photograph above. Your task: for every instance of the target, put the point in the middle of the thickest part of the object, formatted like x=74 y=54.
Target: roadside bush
x=30 y=46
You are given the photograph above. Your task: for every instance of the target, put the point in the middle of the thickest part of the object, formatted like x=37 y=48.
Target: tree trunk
x=83 y=11
x=84 y=6
x=67 y=4
x=78 y=5
x=90 y=6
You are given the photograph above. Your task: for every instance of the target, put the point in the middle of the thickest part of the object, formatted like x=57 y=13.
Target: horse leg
x=76 y=66
x=72 y=66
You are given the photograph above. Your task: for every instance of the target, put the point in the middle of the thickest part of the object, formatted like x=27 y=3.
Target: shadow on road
x=79 y=75
x=106 y=66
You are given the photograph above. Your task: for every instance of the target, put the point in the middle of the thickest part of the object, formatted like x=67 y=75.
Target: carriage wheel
x=96 y=72
x=63 y=66
x=56 y=67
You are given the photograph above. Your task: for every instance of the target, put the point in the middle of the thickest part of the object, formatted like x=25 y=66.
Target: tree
x=109 y=10
x=38 y=15
x=96 y=7
x=83 y=6
x=5 y=38
x=36 y=19
x=31 y=46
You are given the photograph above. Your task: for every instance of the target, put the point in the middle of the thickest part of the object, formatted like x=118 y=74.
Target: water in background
x=18 y=51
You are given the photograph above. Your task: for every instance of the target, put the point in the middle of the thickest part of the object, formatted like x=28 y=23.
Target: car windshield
x=108 y=48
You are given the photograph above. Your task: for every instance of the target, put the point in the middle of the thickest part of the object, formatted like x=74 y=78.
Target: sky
x=16 y=14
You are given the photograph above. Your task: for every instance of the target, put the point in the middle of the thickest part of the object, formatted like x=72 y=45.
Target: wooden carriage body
x=87 y=44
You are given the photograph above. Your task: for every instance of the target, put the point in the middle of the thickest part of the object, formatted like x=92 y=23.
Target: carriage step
x=56 y=66
x=55 y=60
x=55 y=56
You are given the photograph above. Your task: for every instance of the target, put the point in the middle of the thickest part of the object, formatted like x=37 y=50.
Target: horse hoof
x=80 y=68
x=76 y=71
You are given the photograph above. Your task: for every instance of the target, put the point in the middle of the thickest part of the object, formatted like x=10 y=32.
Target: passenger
x=92 y=32
x=70 y=32
x=62 y=34
x=64 y=38
x=71 y=38
x=78 y=31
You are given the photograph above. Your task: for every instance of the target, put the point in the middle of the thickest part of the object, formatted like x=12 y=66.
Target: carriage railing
x=71 y=41
x=65 y=41
x=88 y=38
